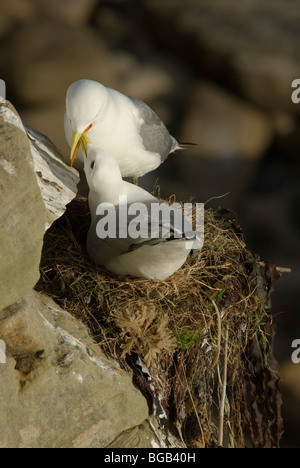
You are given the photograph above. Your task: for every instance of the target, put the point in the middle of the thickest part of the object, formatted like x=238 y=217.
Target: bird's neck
x=106 y=193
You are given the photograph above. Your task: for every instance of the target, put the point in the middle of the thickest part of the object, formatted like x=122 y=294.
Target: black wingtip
x=188 y=145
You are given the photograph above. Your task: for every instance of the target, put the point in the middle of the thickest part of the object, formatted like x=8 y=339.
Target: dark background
x=219 y=74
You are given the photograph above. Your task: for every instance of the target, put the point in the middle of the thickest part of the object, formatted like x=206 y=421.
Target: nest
x=205 y=335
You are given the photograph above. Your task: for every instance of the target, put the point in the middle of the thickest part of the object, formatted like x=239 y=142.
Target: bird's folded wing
x=148 y=229
x=154 y=135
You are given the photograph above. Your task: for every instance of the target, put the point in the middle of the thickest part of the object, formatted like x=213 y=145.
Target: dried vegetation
x=205 y=335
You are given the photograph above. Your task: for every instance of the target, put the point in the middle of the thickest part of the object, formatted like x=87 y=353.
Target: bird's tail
x=184 y=145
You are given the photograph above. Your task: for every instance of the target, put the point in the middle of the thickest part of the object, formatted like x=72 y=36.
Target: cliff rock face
x=56 y=387
x=22 y=212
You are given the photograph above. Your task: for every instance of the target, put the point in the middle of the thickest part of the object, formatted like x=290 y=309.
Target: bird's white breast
x=156 y=262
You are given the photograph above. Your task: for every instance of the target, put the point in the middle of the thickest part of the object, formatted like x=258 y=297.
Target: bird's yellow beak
x=80 y=139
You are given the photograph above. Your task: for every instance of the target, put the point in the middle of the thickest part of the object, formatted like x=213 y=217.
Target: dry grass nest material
x=205 y=334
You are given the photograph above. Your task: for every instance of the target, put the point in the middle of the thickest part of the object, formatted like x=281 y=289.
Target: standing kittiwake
x=124 y=126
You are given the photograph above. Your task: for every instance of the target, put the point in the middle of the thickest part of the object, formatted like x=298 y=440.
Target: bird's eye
x=93 y=165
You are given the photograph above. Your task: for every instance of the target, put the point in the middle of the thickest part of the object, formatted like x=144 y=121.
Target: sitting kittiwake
x=125 y=127
x=131 y=232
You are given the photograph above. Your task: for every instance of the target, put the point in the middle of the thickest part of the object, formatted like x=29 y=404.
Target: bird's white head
x=84 y=102
x=102 y=171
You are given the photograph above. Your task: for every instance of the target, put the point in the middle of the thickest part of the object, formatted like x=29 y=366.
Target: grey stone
x=57 y=182
x=57 y=390
x=146 y=435
x=22 y=212
x=36 y=187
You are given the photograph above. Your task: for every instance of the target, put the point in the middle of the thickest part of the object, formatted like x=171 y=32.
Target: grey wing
x=155 y=136
x=114 y=245
x=154 y=227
